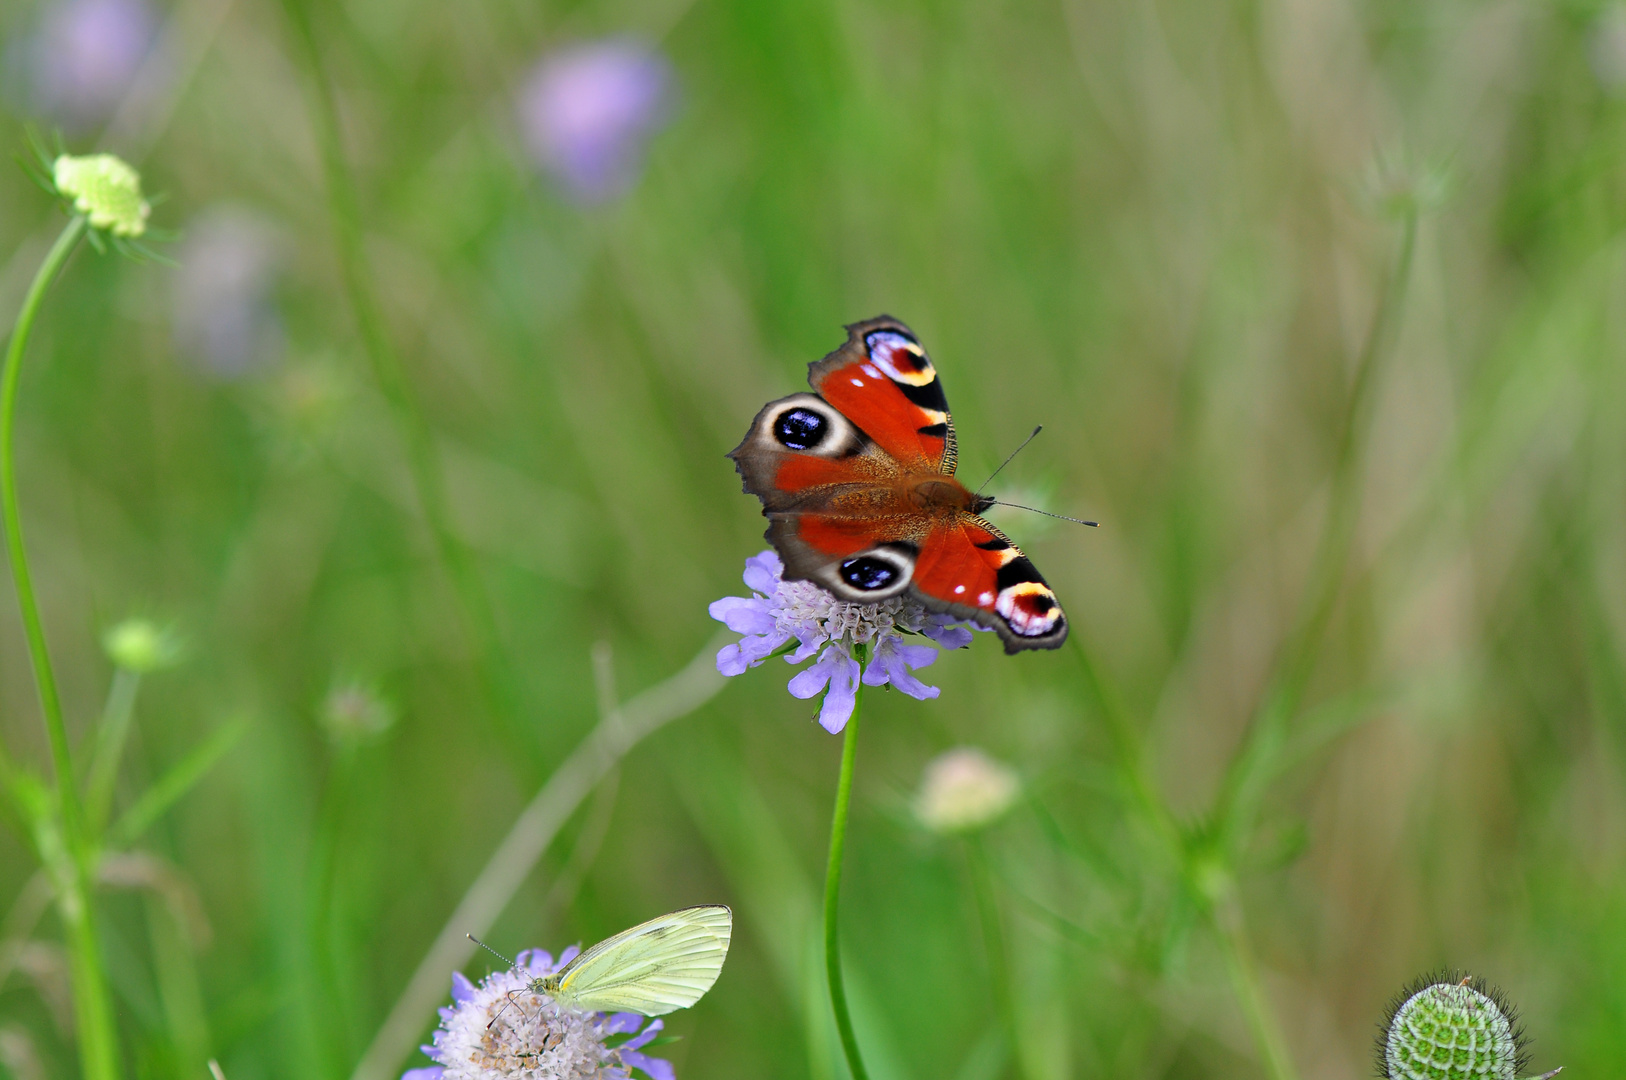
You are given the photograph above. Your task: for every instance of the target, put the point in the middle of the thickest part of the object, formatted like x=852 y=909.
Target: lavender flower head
x=587 y=113
x=779 y=612
x=534 y=1037
x=225 y=316
x=85 y=55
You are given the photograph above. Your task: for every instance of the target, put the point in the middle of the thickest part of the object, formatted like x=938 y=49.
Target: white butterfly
x=664 y=964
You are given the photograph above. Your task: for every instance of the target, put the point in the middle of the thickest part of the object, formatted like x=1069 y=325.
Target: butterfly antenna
x=490 y=950
x=1007 y=461
x=1046 y=513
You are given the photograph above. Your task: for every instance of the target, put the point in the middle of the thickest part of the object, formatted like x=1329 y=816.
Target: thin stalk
x=1285 y=693
x=344 y=206
x=44 y=676
x=93 y=1015
x=993 y=941
x=1267 y=1036
x=832 y=886
x=110 y=737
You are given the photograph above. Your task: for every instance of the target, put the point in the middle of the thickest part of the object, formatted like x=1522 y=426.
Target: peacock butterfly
x=857 y=483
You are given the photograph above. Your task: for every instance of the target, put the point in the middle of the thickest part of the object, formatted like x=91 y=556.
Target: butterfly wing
x=883 y=381
x=969 y=569
x=664 y=964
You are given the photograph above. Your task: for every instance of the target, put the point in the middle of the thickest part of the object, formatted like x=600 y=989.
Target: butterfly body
x=857 y=482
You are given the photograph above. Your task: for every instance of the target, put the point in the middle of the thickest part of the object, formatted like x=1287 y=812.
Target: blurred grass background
x=1162 y=230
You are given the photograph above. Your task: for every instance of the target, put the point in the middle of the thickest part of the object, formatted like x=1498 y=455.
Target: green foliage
x=1351 y=692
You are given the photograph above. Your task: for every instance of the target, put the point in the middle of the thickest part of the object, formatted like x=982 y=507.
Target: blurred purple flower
x=780 y=612
x=501 y=1028
x=224 y=318
x=85 y=54
x=586 y=114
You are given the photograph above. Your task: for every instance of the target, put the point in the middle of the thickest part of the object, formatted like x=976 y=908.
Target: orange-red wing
x=883 y=381
x=970 y=569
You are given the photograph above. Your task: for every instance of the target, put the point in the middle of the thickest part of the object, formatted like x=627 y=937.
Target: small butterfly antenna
x=1007 y=461
x=492 y=951
x=510 y=995
x=1046 y=513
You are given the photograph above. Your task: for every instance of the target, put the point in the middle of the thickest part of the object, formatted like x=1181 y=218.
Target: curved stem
x=832 y=889
x=44 y=676
x=70 y=865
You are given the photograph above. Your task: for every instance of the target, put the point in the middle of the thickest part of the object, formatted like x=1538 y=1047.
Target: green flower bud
x=105 y=189
x=1445 y=1028
x=141 y=645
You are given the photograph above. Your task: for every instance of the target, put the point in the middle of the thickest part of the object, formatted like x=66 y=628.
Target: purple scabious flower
x=85 y=55
x=586 y=114
x=225 y=317
x=533 y=1036
x=779 y=612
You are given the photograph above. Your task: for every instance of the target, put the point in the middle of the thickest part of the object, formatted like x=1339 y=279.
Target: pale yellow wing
x=664 y=964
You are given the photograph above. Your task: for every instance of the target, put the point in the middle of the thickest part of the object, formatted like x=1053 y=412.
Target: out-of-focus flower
x=501 y=1028
x=1606 y=48
x=85 y=55
x=354 y=713
x=224 y=318
x=141 y=645
x=779 y=612
x=586 y=114
x=105 y=189
x=1443 y=1027
x=965 y=789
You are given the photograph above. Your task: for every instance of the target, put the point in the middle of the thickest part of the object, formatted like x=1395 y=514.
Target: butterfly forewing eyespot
x=900 y=358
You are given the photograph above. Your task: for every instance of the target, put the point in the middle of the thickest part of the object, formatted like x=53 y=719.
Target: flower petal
x=569 y=954
x=948 y=635
x=743 y=615
x=433 y=1072
x=618 y=1023
x=656 y=1068
x=843 y=693
x=762 y=572
x=643 y=1036
x=809 y=681
x=462 y=989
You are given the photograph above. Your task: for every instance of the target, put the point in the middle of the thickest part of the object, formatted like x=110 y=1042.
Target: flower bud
x=105 y=189
x=964 y=789
x=1442 y=1028
x=141 y=645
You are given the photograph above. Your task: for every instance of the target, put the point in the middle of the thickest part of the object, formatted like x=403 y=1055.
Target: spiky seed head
x=105 y=189
x=1451 y=1027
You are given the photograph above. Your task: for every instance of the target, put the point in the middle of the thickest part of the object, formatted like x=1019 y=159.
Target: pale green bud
x=105 y=189
x=141 y=645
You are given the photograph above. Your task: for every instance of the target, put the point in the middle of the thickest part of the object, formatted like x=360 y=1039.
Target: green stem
x=34 y=629
x=98 y=1040
x=832 y=888
x=423 y=462
x=1245 y=984
x=110 y=739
